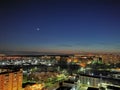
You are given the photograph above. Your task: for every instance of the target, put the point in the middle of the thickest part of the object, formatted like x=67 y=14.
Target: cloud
x=83 y=44
x=65 y=45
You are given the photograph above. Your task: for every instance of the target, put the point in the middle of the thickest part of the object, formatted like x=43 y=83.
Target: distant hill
x=28 y=53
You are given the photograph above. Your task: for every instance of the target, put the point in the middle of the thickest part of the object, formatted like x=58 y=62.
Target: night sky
x=60 y=25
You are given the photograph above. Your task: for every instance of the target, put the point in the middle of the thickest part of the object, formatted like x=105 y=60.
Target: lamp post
x=100 y=80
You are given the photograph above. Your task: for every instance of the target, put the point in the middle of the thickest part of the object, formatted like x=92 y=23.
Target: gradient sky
x=60 y=25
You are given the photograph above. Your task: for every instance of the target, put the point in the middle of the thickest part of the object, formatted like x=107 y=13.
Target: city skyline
x=60 y=26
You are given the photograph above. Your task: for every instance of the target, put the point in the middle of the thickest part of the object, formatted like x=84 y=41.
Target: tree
x=62 y=63
x=73 y=68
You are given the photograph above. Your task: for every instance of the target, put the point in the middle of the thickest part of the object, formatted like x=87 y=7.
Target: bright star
x=38 y=29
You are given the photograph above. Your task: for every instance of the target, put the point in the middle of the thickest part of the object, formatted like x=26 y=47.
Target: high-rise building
x=11 y=79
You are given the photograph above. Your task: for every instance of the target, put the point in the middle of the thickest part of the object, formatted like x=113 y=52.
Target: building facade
x=11 y=80
x=91 y=80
